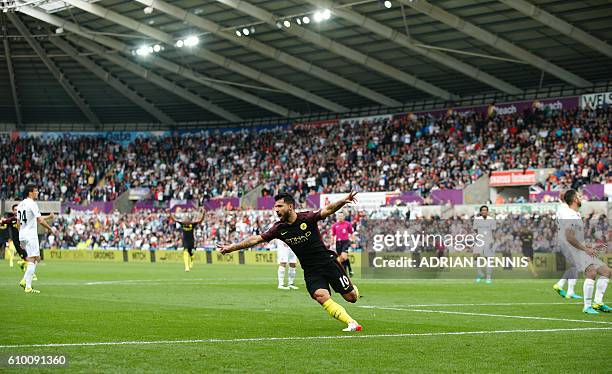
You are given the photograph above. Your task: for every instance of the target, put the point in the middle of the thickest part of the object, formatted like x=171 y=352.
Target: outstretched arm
x=570 y=236
x=247 y=243
x=203 y=214
x=336 y=206
x=175 y=219
x=43 y=222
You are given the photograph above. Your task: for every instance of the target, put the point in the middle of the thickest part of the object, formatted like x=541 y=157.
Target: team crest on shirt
x=303 y=226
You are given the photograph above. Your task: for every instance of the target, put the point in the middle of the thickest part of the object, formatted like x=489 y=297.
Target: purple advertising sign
x=265 y=203
x=543 y=197
x=100 y=206
x=590 y=191
x=313 y=201
x=441 y=197
x=513 y=107
x=594 y=191
x=406 y=198
x=145 y=205
x=221 y=203
x=157 y=205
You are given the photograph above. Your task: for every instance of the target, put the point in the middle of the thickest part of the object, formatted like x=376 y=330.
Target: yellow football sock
x=190 y=261
x=9 y=254
x=337 y=311
x=186 y=259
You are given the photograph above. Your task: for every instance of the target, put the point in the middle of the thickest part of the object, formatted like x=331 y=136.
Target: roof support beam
x=560 y=25
x=411 y=44
x=495 y=41
x=213 y=57
x=159 y=62
x=155 y=79
x=61 y=78
x=342 y=50
x=11 y=72
x=271 y=52
x=112 y=81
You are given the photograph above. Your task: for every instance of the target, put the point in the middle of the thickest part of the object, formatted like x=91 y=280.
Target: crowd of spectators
x=153 y=230
x=408 y=153
x=68 y=169
x=148 y=230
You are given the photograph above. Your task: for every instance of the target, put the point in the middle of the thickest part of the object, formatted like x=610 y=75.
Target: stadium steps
x=477 y=192
x=249 y=200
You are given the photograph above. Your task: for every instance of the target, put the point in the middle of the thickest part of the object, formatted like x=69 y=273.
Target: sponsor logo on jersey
x=299 y=239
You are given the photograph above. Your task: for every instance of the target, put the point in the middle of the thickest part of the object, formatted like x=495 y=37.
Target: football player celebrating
x=321 y=269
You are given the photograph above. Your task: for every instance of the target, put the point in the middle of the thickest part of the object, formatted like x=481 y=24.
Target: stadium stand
x=419 y=154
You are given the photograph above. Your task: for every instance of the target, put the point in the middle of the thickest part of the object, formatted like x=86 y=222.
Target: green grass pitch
x=232 y=318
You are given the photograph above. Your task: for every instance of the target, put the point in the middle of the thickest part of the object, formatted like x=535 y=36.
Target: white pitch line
x=130 y=281
x=301 y=338
x=478 y=304
x=205 y=281
x=486 y=314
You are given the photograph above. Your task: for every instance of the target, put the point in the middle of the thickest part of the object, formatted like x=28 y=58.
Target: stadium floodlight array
x=322 y=15
x=146 y=50
x=190 y=41
x=318 y=16
x=246 y=31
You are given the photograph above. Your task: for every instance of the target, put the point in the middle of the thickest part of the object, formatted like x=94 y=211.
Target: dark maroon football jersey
x=304 y=239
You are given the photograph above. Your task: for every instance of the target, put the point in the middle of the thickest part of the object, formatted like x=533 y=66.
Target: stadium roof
x=76 y=61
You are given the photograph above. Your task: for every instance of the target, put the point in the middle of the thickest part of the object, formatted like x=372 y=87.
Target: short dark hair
x=569 y=196
x=29 y=188
x=14 y=206
x=287 y=198
x=483 y=206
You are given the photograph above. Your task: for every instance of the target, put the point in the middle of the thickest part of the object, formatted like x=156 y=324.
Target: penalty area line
x=303 y=338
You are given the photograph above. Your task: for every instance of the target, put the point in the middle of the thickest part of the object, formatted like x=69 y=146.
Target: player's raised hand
x=601 y=247
x=351 y=197
x=591 y=251
x=224 y=248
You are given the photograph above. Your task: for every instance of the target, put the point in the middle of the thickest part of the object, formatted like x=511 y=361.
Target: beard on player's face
x=284 y=213
x=577 y=201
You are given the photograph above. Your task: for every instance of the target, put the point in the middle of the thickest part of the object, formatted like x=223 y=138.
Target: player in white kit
x=485 y=226
x=29 y=217
x=570 y=275
x=571 y=229
x=285 y=256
